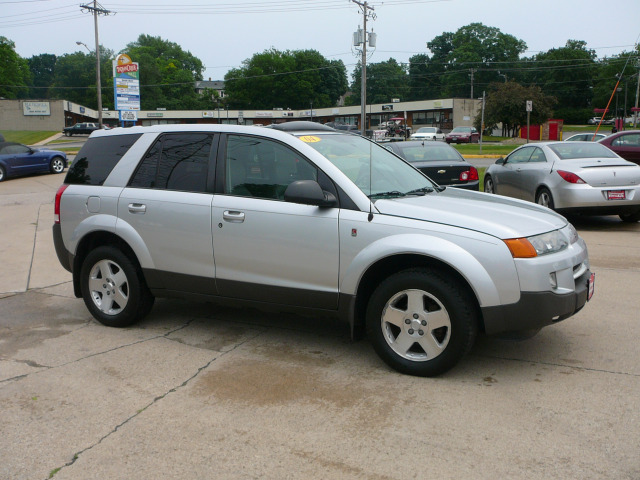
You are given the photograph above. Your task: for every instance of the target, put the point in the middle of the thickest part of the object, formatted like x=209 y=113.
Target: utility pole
x=472 y=70
x=366 y=12
x=97 y=10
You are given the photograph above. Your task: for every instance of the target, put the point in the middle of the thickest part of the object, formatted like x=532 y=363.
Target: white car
x=428 y=133
x=585 y=137
x=570 y=177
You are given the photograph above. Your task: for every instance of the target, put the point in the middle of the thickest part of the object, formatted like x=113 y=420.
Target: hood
x=491 y=214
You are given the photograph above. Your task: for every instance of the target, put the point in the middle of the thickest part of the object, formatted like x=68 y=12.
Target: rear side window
x=176 y=162
x=97 y=158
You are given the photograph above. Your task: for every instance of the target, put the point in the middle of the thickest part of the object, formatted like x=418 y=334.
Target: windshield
x=375 y=170
x=427 y=130
x=571 y=150
x=461 y=130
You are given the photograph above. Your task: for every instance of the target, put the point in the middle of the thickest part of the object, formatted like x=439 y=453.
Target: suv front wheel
x=113 y=288
x=421 y=322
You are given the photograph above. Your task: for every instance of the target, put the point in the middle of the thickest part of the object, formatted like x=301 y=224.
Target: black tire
x=630 y=217
x=3 y=174
x=67 y=134
x=544 y=198
x=113 y=288
x=489 y=187
x=57 y=165
x=426 y=340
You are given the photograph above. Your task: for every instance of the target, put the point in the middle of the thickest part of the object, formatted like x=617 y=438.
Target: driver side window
x=520 y=156
x=257 y=167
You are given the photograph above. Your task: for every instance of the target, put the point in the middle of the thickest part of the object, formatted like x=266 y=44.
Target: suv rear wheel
x=421 y=322
x=113 y=288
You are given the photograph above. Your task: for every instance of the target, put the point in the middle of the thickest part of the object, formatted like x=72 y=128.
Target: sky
x=223 y=33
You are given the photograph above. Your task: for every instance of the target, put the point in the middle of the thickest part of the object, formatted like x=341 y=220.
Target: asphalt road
x=198 y=391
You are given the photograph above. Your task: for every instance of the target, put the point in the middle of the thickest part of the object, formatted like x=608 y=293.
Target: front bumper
x=535 y=310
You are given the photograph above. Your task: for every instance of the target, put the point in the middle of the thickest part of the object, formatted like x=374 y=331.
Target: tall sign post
x=126 y=85
x=529 y=110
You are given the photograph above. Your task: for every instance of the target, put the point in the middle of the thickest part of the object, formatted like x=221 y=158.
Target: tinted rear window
x=97 y=157
x=571 y=150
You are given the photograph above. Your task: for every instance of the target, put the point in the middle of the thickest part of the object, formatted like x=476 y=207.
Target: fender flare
x=116 y=227
x=437 y=248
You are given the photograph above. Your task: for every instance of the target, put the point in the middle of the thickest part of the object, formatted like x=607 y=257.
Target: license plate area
x=616 y=195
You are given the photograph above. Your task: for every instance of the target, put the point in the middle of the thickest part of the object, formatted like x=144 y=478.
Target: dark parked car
x=440 y=162
x=17 y=159
x=463 y=135
x=625 y=143
x=81 y=129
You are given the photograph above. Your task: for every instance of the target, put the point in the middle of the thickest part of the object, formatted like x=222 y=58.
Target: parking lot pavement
x=199 y=391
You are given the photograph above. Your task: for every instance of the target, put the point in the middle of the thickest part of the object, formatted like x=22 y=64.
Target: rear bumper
x=576 y=198
x=535 y=310
x=64 y=256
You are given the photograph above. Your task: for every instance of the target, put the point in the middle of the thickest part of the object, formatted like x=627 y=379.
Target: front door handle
x=137 y=208
x=233 y=216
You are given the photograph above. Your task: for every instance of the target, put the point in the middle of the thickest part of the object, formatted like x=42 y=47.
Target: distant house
x=217 y=85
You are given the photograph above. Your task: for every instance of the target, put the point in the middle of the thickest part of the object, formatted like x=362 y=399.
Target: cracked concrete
x=201 y=391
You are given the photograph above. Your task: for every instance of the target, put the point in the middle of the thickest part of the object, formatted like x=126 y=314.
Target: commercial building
x=56 y=114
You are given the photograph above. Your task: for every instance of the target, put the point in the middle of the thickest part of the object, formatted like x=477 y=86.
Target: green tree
x=42 y=69
x=485 y=49
x=74 y=78
x=625 y=67
x=566 y=73
x=506 y=104
x=14 y=71
x=167 y=75
x=424 y=78
x=289 y=79
x=385 y=80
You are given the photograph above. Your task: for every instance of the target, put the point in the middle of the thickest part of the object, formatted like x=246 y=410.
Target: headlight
x=571 y=233
x=536 y=245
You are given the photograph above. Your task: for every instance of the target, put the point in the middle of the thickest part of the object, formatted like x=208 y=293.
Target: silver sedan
x=571 y=177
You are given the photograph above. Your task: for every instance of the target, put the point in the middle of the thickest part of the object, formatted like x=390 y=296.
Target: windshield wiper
x=391 y=194
x=420 y=191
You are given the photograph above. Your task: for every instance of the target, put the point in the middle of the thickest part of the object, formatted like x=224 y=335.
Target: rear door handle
x=233 y=216
x=137 y=208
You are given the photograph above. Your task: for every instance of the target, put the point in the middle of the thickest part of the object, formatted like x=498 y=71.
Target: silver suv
x=311 y=219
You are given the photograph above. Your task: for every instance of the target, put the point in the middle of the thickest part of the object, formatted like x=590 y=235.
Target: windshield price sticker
x=310 y=139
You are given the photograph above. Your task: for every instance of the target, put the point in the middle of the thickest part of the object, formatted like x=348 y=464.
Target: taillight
x=56 y=208
x=570 y=177
x=470 y=175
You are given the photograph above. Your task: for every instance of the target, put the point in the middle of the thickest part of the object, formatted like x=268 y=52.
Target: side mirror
x=500 y=161
x=309 y=192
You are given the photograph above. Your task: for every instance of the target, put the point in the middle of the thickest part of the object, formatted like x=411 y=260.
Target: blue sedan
x=17 y=159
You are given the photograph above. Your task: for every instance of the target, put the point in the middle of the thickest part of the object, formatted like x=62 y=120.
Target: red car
x=625 y=143
x=463 y=135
